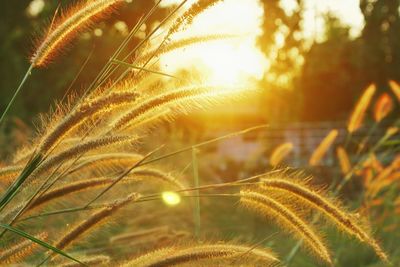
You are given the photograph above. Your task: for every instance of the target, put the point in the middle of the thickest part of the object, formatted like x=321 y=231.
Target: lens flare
x=171 y=198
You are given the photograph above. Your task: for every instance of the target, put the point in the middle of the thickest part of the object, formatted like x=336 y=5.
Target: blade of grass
x=144 y=69
x=210 y=141
x=12 y=190
x=123 y=175
x=24 y=79
x=39 y=242
x=196 y=210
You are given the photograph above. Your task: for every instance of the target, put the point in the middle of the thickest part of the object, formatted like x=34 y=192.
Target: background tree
x=17 y=29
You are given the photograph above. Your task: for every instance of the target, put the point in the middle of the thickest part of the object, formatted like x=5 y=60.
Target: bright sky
x=347 y=11
x=228 y=61
x=239 y=59
x=236 y=60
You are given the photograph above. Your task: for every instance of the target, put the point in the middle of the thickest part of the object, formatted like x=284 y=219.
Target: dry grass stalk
x=71 y=188
x=80 y=149
x=134 y=236
x=395 y=88
x=160 y=175
x=80 y=114
x=357 y=117
x=280 y=153
x=323 y=147
x=88 y=225
x=286 y=219
x=10 y=172
x=73 y=21
x=193 y=254
x=330 y=208
x=344 y=161
x=182 y=43
x=94 y=183
x=383 y=106
x=20 y=251
x=160 y=100
x=187 y=17
x=97 y=163
x=101 y=260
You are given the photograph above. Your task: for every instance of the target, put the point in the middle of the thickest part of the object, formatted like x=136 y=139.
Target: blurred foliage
x=308 y=80
x=18 y=30
x=336 y=70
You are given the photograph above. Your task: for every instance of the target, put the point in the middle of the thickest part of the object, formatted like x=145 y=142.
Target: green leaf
x=39 y=242
x=12 y=190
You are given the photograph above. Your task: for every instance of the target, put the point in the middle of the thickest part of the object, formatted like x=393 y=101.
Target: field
x=149 y=166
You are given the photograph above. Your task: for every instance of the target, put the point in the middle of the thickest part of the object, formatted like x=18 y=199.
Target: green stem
x=28 y=72
x=196 y=211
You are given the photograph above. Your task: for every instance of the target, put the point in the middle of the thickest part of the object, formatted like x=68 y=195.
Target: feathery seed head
x=357 y=117
x=84 y=111
x=383 y=107
x=344 y=161
x=323 y=147
x=395 y=86
x=197 y=254
x=332 y=210
x=286 y=219
x=75 y=20
x=280 y=153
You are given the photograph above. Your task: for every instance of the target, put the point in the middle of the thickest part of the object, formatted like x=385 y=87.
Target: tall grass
x=88 y=168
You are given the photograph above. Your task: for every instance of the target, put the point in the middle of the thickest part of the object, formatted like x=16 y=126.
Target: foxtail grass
x=383 y=107
x=78 y=116
x=344 y=160
x=287 y=220
x=158 y=101
x=197 y=254
x=17 y=253
x=395 y=86
x=331 y=209
x=79 y=149
x=357 y=117
x=89 y=224
x=323 y=147
x=280 y=153
x=101 y=260
x=64 y=29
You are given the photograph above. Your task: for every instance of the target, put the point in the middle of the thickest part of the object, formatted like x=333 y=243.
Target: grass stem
x=27 y=74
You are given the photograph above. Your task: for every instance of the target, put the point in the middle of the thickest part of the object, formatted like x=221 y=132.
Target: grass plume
x=173 y=97
x=395 y=86
x=84 y=111
x=357 y=117
x=286 y=219
x=344 y=161
x=87 y=225
x=20 y=251
x=383 y=107
x=73 y=21
x=195 y=254
x=80 y=149
x=323 y=147
x=280 y=153
x=330 y=208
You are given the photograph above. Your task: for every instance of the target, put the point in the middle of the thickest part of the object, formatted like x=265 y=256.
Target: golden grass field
x=97 y=187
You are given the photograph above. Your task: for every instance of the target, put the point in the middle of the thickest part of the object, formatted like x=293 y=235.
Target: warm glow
x=239 y=60
x=230 y=61
x=171 y=198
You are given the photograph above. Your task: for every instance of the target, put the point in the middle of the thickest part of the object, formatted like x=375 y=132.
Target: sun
x=230 y=61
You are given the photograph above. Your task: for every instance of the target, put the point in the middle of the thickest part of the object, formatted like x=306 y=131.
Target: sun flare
x=229 y=61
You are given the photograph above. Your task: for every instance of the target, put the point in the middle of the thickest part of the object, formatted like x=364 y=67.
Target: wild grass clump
x=95 y=162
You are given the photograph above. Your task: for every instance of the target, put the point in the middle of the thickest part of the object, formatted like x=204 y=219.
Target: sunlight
x=171 y=198
x=229 y=61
